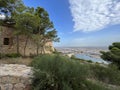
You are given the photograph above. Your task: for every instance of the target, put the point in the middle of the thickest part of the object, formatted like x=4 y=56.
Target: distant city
x=89 y=51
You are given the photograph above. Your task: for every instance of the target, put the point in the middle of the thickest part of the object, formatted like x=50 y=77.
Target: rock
x=15 y=77
x=28 y=87
x=5 y=79
x=15 y=70
x=6 y=87
x=19 y=86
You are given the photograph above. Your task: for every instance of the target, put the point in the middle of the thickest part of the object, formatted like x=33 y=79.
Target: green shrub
x=108 y=75
x=1 y=55
x=113 y=55
x=90 y=61
x=31 y=55
x=12 y=55
x=54 y=72
x=73 y=57
x=94 y=86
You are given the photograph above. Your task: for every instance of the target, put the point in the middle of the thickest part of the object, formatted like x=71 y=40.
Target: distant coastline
x=104 y=47
x=87 y=52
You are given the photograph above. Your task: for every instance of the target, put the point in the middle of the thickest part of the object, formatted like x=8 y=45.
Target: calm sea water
x=86 y=57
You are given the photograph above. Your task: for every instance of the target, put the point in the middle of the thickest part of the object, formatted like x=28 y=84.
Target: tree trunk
x=43 y=49
x=37 y=49
x=40 y=50
x=17 y=37
x=1 y=52
x=26 y=44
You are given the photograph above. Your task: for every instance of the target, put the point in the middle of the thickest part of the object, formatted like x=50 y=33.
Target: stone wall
x=15 y=77
x=7 y=32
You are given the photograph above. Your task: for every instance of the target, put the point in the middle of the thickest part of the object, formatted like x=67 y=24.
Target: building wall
x=7 y=32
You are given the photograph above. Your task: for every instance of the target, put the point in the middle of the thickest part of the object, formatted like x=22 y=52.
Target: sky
x=83 y=23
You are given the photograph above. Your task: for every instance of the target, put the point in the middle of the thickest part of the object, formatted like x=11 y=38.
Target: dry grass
x=20 y=60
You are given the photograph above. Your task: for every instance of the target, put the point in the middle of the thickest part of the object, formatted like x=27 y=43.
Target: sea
x=89 y=58
x=86 y=53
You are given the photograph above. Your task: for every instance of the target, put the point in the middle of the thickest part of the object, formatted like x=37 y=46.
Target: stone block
x=19 y=86
x=0 y=80
x=6 y=87
x=14 y=79
x=5 y=79
x=1 y=87
x=28 y=87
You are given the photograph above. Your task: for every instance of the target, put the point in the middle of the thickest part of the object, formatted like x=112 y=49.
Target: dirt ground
x=20 y=60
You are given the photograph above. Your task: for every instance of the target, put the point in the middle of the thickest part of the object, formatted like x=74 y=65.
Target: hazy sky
x=83 y=22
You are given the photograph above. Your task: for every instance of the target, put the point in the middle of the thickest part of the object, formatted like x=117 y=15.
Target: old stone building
x=8 y=43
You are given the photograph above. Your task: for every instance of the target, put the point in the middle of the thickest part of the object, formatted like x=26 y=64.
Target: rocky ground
x=15 y=77
x=15 y=70
x=19 y=60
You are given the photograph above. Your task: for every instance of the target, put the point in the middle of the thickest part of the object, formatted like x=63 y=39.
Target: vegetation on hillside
x=55 y=72
x=113 y=55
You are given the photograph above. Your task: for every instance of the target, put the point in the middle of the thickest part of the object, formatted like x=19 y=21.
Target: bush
x=54 y=72
x=12 y=55
x=31 y=55
x=108 y=75
x=73 y=57
x=113 y=55
x=90 y=61
x=95 y=86
x=1 y=55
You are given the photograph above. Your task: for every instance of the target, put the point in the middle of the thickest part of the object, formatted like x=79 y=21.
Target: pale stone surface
x=15 y=70
x=19 y=86
x=15 y=77
x=6 y=87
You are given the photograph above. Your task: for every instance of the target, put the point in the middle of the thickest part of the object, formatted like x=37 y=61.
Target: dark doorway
x=6 y=41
